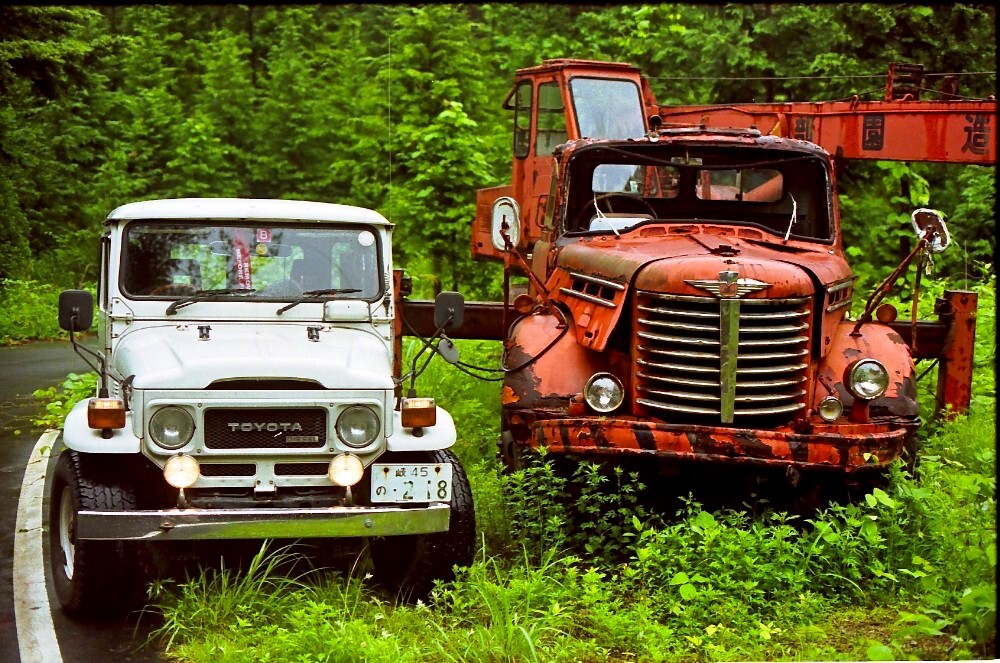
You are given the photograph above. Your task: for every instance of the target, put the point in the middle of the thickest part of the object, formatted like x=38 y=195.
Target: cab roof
x=231 y=209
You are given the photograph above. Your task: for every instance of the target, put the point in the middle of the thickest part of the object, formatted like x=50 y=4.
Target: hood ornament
x=729 y=285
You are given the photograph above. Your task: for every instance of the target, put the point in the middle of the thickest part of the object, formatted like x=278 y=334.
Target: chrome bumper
x=187 y=524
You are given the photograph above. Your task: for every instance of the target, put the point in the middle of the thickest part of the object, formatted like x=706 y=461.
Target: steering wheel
x=174 y=290
x=633 y=203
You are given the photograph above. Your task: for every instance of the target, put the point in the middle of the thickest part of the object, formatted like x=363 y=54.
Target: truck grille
x=265 y=428
x=711 y=361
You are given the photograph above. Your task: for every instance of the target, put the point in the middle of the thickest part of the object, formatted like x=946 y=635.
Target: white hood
x=172 y=357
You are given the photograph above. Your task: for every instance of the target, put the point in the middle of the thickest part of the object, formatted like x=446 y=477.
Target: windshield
x=612 y=190
x=607 y=108
x=256 y=262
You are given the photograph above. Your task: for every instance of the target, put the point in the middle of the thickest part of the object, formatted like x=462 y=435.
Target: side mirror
x=505 y=218
x=449 y=308
x=76 y=310
x=930 y=219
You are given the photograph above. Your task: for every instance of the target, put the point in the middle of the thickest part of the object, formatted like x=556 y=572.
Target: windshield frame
x=253 y=293
x=759 y=156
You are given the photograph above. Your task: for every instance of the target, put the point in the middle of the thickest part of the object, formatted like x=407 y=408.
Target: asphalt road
x=22 y=370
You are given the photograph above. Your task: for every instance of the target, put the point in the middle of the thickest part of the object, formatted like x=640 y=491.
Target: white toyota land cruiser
x=248 y=389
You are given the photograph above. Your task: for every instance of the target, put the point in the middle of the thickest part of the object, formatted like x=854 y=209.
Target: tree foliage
x=397 y=107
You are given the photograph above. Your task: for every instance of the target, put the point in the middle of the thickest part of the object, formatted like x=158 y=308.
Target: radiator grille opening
x=301 y=469
x=265 y=428
x=684 y=370
x=228 y=469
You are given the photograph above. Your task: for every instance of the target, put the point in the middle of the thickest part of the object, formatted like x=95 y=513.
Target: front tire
x=91 y=578
x=409 y=565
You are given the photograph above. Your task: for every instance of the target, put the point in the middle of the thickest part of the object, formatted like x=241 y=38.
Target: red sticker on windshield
x=263 y=234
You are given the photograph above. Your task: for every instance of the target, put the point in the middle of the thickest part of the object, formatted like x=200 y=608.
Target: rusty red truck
x=688 y=295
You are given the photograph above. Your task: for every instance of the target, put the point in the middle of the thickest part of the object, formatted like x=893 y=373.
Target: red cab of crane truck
x=689 y=295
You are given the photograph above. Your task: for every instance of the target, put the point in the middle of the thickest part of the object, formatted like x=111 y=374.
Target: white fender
x=79 y=436
x=439 y=436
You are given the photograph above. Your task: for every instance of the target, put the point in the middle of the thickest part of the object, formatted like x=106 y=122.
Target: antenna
x=388 y=96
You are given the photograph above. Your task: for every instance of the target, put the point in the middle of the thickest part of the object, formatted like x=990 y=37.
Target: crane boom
x=903 y=130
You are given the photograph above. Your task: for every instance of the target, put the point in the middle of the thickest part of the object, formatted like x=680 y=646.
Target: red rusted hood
x=664 y=259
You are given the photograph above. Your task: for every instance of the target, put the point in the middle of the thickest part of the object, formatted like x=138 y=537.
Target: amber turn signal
x=886 y=313
x=106 y=413
x=419 y=412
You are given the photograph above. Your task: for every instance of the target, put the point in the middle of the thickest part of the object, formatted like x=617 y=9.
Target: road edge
x=36 y=634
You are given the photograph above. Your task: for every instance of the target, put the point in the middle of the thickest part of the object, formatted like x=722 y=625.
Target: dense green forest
x=382 y=106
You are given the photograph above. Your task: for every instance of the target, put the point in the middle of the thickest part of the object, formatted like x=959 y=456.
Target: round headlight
x=830 y=409
x=603 y=392
x=868 y=379
x=181 y=471
x=171 y=427
x=345 y=470
x=357 y=426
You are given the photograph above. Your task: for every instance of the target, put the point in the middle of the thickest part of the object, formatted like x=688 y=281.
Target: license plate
x=411 y=482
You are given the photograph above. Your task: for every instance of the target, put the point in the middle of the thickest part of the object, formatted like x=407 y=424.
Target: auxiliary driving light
x=603 y=392
x=418 y=412
x=171 y=427
x=345 y=470
x=106 y=413
x=830 y=409
x=867 y=379
x=181 y=471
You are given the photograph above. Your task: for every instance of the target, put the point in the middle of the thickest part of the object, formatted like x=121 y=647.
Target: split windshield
x=261 y=261
x=613 y=190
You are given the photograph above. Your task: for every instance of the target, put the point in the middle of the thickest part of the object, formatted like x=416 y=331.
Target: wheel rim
x=67 y=520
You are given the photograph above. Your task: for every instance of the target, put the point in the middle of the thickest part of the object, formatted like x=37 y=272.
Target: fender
x=875 y=341
x=79 y=436
x=440 y=436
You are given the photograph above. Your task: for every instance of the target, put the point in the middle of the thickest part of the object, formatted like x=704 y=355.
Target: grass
x=907 y=573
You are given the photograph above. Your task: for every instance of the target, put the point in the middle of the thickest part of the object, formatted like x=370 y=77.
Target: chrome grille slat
x=680 y=370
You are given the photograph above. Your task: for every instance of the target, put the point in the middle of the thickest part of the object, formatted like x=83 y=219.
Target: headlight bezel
x=358 y=408
x=855 y=379
x=594 y=403
x=158 y=415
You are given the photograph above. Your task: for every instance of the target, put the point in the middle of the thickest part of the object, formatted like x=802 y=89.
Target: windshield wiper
x=316 y=295
x=205 y=295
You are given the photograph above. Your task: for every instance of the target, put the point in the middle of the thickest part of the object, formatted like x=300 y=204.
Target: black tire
x=409 y=565
x=91 y=578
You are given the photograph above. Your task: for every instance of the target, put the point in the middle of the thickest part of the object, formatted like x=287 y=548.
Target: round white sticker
x=365 y=238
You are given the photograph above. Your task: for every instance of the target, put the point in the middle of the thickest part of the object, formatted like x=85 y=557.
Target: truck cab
x=248 y=391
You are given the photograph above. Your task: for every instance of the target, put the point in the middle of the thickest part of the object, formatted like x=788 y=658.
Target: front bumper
x=188 y=524
x=845 y=447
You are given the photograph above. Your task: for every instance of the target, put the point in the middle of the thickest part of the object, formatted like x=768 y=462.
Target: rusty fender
x=845 y=447
x=560 y=371
x=876 y=341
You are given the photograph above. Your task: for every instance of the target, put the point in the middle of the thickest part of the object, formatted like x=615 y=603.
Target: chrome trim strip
x=837 y=286
x=677 y=339
x=593 y=279
x=729 y=349
x=679 y=325
x=677 y=408
x=672 y=380
x=776 y=315
x=588 y=298
x=675 y=353
x=192 y=524
x=680 y=367
x=844 y=303
x=681 y=312
x=711 y=300
x=784 y=329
